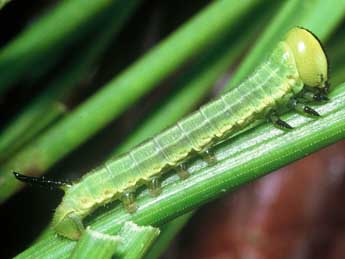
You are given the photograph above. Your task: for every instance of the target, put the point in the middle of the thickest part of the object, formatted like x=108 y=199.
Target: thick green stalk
x=308 y=14
x=241 y=159
x=49 y=105
x=92 y=115
x=49 y=36
x=168 y=232
x=132 y=241
x=135 y=240
x=95 y=245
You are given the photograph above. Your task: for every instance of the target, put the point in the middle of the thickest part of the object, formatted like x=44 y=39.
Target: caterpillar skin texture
x=297 y=61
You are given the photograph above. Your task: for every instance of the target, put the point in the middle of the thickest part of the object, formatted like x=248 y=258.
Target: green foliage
x=96 y=245
x=132 y=241
x=203 y=48
x=118 y=94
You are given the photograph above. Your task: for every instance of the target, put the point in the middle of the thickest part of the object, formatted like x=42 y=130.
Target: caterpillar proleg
x=296 y=72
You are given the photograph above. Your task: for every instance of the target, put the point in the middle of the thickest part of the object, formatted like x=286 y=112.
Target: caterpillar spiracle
x=294 y=73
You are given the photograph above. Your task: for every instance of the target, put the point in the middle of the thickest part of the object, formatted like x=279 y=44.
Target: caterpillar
x=294 y=74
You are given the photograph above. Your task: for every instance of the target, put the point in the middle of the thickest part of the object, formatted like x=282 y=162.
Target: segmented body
x=270 y=86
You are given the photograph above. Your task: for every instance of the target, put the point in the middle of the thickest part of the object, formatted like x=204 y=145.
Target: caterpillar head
x=309 y=56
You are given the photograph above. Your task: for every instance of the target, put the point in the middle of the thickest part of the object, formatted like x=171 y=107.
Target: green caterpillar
x=296 y=70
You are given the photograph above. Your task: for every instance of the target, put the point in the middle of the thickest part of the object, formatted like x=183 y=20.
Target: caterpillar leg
x=128 y=201
x=154 y=185
x=315 y=97
x=182 y=171
x=209 y=157
x=304 y=109
x=279 y=123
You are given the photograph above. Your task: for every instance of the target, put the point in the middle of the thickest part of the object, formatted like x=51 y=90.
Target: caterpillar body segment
x=274 y=84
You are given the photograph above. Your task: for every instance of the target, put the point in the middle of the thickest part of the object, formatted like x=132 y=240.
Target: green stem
x=92 y=115
x=132 y=241
x=49 y=105
x=95 y=245
x=49 y=36
x=136 y=240
x=241 y=159
x=308 y=14
x=168 y=232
